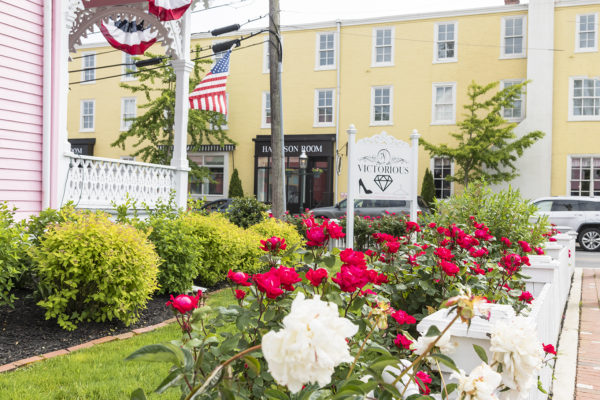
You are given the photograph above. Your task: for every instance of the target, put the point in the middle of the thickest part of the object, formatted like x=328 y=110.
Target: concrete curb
x=27 y=361
x=565 y=369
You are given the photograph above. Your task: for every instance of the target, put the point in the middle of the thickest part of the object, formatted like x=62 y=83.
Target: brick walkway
x=588 y=361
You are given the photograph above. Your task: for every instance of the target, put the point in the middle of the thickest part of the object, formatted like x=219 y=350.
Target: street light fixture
x=303 y=160
x=303 y=165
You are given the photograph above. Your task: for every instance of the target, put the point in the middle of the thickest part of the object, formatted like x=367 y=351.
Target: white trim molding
x=84 y=69
x=318 y=66
x=263 y=110
x=523 y=52
x=578 y=48
x=316 y=123
x=436 y=27
x=374 y=62
x=390 y=121
x=434 y=87
x=432 y=169
x=124 y=125
x=594 y=99
x=81 y=115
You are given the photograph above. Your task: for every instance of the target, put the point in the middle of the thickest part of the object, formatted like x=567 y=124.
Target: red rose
x=316 y=276
x=402 y=317
x=240 y=294
x=526 y=297
x=287 y=277
x=449 y=268
x=506 y=242
x=539 y=251
x=184 y=303
x=334 y=230
x=525 y=246
x=432 y=225
x=273 y=244
x=548 y=348
x=391 y=247
x=351 y=257
x=443 y=253
x=402 y=342
x=239 y=278
x=412 y=227
x=383 y=237
x=269 y=283
x=316 y=236
x=422 y=378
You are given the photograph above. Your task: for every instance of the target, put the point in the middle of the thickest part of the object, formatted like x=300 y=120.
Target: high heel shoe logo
x=362 y=186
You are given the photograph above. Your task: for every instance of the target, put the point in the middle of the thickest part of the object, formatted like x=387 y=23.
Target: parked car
x=220 y=205
x=372 y=208
x=580 y=214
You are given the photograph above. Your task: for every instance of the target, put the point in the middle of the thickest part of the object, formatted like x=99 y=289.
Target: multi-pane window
x=444 y=103
x=214 y=184
x=585 y=176
x=445 y=42
x=87 y=115
x=128 y=112
x=266 y=57
x=513 y=37
x=324 y=107
x=325 y=50
x=89 y=67
x=586 y=32
x=381 y=111
x=129 y=67
x=442 y=168
x=383 y=46
x=586 y=98
x=515 y=112
x=266 y=110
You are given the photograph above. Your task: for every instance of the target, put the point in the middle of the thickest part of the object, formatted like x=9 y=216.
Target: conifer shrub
x=235 y=185
x=13 y=246
x=428 y=188
x=95 y=270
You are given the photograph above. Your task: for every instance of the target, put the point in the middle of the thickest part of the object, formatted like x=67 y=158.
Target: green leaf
x=165 y=352
x=444 y=359
x=138 y=394
x=226 y=394
x=449 y=389
x=253 y=364
x=433 y=331
x=172 y=379
x=276 y=394
x=229 y=344
x=540 y=387
x=481 y=353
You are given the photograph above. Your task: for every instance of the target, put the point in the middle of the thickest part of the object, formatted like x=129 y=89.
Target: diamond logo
x=383 y=181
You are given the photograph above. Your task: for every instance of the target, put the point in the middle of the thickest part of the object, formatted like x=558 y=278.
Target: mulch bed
x=25 y=332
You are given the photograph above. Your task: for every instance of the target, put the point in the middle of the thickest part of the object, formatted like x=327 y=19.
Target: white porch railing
x=95 y=182
x=549 y=282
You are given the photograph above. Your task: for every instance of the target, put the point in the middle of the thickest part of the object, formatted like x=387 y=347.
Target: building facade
x=392 y=74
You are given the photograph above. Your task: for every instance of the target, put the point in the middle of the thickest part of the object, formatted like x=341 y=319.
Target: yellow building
x=392 y=74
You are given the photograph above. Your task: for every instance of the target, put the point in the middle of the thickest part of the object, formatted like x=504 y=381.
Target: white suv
x=580 y=214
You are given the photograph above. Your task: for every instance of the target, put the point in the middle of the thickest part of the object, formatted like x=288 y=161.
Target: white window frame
x=572 y=116
x=266 y=68
x=318 y=49
x=131 y=76
x=568 y=174
x=81 y=115
x=84 y=56
x=434 y=87
x=503 y=84
x=578 y=48
x=431 y=168
x=263 y=113
x=226 y=175
x=316 y=122
x=523 y=53
x=391 y=105
x=436 y=59
x=124 y=126
x=374 y=62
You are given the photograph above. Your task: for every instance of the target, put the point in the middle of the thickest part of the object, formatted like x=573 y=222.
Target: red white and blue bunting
x=128 y=36
x=167 y=10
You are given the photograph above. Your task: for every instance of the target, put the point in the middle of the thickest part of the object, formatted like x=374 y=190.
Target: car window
x=544 y=205
x=590 y=205
x=565 y=205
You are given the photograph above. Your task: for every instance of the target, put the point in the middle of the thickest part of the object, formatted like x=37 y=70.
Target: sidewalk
x=587 y=385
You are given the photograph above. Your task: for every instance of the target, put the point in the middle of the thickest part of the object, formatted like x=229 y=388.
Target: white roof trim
x=572 y=3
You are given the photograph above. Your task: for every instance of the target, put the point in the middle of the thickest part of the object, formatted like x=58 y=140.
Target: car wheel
x=589 y=239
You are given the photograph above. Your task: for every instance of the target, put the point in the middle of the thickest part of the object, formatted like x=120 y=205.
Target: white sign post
x=414 y=139
x=351 y=189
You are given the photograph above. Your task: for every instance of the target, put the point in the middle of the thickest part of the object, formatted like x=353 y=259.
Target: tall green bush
x=13 y=246
x=95 y=270
x=428 y=188
x=246 y=211
x=235 y=185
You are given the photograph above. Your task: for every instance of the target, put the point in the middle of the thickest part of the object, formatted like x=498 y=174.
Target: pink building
x=37 y=169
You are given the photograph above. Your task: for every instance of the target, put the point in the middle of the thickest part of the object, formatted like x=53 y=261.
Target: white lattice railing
x=94 y=182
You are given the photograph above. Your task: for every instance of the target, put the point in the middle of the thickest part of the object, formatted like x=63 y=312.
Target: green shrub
x=428 y=188
x=246 y=211
x=223 y=246
x=13 y=246
x=235 y=185
x=505 y=212
x=177 y=247
x=95 y=270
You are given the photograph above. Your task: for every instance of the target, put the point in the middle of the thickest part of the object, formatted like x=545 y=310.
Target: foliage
x=152 y=132
x=365 y=226
x=270 y=227
x=506 y=213
x=13 y=244
x=95 y=270
x=246 y=211
x=486 y=145
x=235 y=185
x=428 y=188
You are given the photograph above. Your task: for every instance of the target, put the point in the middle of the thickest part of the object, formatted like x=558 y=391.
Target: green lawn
x=98 y=372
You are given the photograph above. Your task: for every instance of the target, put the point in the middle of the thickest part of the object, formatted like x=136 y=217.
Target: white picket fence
x=549 y=282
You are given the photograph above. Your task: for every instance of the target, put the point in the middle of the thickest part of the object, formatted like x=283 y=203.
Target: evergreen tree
x=428 y=188
x=235 y=185
x=486 y=146
x=152 y=132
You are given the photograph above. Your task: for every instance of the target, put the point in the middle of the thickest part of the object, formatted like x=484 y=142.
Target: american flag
x=210 y=93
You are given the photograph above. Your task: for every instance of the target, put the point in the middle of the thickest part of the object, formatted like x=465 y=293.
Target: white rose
x=310 y=345
x=445 y=344
x=514 y=344
x=479 y=385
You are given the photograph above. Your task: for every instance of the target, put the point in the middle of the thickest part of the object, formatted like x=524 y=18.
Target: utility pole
x=277 y=180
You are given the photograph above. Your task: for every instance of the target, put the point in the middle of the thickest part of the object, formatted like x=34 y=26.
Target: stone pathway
x=587 y=386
